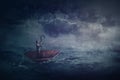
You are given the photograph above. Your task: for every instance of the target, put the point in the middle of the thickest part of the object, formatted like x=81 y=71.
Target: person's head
x=37 y=41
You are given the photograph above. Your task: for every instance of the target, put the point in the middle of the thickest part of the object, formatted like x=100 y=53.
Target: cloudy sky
x=76 y=24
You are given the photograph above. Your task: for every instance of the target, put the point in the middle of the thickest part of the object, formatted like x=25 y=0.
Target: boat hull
x=43 y=55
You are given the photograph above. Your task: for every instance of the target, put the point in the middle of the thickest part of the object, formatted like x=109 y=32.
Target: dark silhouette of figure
x=39 y=46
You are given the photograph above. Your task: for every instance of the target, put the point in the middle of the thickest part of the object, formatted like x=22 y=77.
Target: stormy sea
x=85 y=33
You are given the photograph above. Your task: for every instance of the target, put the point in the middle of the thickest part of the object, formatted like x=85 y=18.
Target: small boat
x=44 y=55
x=40 y=55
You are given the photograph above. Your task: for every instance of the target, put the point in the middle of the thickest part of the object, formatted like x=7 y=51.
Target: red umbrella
x=41 y=55
x=44 y=55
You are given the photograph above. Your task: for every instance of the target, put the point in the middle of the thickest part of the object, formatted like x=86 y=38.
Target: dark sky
x=17 y=12
x=14 y=10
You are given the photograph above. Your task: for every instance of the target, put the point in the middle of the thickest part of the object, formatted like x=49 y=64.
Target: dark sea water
x=68 y=65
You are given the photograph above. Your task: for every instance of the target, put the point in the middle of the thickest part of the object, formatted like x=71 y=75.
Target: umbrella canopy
x=43 y=55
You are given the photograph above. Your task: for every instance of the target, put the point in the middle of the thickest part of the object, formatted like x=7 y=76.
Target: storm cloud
x=69 y=31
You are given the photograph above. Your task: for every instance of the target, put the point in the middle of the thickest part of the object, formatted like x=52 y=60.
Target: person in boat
x=39 y=45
